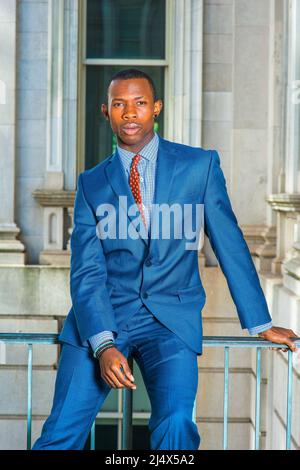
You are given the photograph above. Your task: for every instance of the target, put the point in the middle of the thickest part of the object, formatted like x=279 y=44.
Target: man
x=140 y=294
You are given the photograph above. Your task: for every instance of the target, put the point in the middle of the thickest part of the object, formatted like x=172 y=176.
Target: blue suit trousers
x=170 y=373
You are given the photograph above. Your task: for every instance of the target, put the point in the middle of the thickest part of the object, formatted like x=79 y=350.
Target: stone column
x=54 y=175
x=288 y=246
x=54 y=178
x=292 y=183
x=275 y=154
x=61 y=131
x=185 y=82
x=291 y=265
x=11 y=249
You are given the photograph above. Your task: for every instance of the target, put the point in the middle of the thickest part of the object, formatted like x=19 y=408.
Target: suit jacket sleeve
x=231 y=250
x=91 y=302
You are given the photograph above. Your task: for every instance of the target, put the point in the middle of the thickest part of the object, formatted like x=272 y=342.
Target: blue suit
x=142 y=289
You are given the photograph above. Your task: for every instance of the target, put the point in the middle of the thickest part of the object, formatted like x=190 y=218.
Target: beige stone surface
x=218 y=19
x=219 y=302
x=17 y=354
x=212 y=435
x=217 y=48
x=263 y=402
x=33 y=297
x=13 y=432
x=210 y=394
x=13 y=384
x=280 y=395
x=214 y=356
x=279 y=434
x=217 y=77
x=251 y=13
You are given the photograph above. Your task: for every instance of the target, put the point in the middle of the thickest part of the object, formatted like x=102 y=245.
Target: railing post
x=127 y=414
x=29 y=396
x=226 y=379
x=92 y=437
x=195 y=410
x=257 y=397
x=289 y=400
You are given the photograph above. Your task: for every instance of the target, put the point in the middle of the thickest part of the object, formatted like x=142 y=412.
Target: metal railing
x=208 y=341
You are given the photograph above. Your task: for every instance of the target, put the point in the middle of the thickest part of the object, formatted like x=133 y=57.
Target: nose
x=129 y=112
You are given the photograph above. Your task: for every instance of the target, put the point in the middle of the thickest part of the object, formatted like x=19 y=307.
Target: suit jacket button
x=148 y=262
x=145 y=295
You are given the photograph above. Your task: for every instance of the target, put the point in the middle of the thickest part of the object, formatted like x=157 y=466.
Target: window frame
x=83 y=62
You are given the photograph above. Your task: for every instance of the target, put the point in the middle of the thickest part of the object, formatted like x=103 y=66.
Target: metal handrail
x=226 y=342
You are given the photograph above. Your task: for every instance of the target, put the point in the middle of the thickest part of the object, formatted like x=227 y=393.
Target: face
x=131 y=110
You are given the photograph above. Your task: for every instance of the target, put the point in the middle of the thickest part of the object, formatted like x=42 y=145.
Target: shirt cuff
x=101 y=338
x=260 y=328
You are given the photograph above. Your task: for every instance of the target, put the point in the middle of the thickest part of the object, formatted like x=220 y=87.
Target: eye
x=116 y=105
x=142 y=102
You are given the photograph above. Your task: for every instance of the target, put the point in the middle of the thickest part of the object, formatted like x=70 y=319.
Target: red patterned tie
x=134 y=182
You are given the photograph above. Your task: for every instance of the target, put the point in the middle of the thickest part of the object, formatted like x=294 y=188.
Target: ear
x=104 y=109
x=157 y=107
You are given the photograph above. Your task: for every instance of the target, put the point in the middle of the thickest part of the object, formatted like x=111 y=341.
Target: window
x=106 y=437
x=123 y=29
x=119 y=35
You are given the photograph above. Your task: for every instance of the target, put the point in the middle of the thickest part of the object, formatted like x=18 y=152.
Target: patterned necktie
x=134 y=182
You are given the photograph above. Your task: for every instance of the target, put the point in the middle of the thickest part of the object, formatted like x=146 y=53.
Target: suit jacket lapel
x=167 y=159
x=165 y=170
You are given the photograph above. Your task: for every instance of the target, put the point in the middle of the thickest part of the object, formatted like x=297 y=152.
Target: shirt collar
x=149 y=151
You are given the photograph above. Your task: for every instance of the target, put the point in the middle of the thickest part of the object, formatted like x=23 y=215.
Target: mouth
x=130 y=128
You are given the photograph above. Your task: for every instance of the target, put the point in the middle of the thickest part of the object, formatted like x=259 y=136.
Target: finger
x=127 y=370
x=120 y=382
x=106 y=378
x=114 y=380
x=292 y=334
x=109 y=378
x=108 y=381
x=291 y=345
x=122 y=378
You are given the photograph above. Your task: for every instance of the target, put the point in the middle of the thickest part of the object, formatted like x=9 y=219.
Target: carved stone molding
x=12 y=251
x=287 y=260
x=261 y=241
x=54 y=198
x=254 y=236
x=284 y=202
x=58 y=223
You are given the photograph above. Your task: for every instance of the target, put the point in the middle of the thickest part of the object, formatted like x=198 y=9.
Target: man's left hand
x=276 y=334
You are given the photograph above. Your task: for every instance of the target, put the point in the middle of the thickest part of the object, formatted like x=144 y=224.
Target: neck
x=135 y=148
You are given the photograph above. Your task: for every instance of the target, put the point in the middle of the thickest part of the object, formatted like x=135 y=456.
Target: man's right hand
x=111 y=362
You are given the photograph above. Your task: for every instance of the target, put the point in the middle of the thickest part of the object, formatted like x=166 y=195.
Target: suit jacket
x=110 y=279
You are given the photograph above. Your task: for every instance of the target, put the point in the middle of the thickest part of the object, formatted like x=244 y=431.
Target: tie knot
x=136 y=159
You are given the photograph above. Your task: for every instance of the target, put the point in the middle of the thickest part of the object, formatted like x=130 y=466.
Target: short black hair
x=134 y=73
